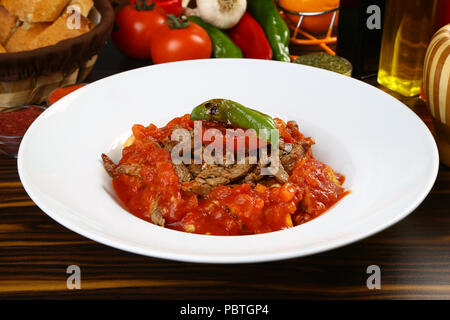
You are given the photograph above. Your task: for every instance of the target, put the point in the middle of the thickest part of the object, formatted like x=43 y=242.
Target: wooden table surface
x=35 y=251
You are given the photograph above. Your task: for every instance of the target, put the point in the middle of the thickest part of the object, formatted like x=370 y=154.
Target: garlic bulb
x=223 y=14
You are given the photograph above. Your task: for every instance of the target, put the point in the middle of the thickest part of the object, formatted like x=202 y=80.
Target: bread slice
x=63 y=28
x=36 y=10
x=84 y=6
x=8 y=23
x=24 y=35
x=2 y=49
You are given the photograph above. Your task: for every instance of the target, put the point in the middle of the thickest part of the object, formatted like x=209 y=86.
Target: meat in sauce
x=221 y=199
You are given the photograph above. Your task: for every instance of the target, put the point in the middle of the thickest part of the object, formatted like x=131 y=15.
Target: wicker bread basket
x=28 y=77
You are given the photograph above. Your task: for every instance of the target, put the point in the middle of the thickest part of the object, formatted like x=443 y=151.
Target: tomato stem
x=177 y=23
x=143 y=5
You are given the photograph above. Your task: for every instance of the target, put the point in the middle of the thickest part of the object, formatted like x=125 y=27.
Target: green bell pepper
x=235 y=114
x=275 y=28
x=223 y=46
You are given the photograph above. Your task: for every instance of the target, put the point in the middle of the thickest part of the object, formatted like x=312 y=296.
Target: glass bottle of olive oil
x=408 y=28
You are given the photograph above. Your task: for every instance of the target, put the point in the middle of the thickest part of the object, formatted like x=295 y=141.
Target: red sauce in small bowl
x=14 y=122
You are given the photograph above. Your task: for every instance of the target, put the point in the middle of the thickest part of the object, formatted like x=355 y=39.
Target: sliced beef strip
x=115 y=170
x=269 y=182
x=194 y=169
x=156 y=215
x=109 y=165
x=298 y=151
x=254 y=176
x=280 y=175
x=180 y=169
x=285 y=148
x=216 y=175
x=213 y=181
x=168 y=144
x=196 y=187
x=182 y=172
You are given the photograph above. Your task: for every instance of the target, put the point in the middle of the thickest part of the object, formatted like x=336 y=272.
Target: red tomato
x=134 y=30
x=170 y=6
x=175 y=44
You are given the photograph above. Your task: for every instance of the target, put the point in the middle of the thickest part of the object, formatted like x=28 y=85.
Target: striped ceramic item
x=436 y=84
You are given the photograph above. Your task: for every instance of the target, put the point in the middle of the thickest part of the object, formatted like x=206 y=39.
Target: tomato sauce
x=312 y=188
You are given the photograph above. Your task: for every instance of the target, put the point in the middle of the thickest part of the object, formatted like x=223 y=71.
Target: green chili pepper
x=223 y=46
x=275 y=28
x=230 y=112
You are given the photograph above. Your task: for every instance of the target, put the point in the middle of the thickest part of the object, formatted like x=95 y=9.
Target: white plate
x=386 y=152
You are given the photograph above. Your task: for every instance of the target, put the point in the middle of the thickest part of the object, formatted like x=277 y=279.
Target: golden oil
x=408 y=28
